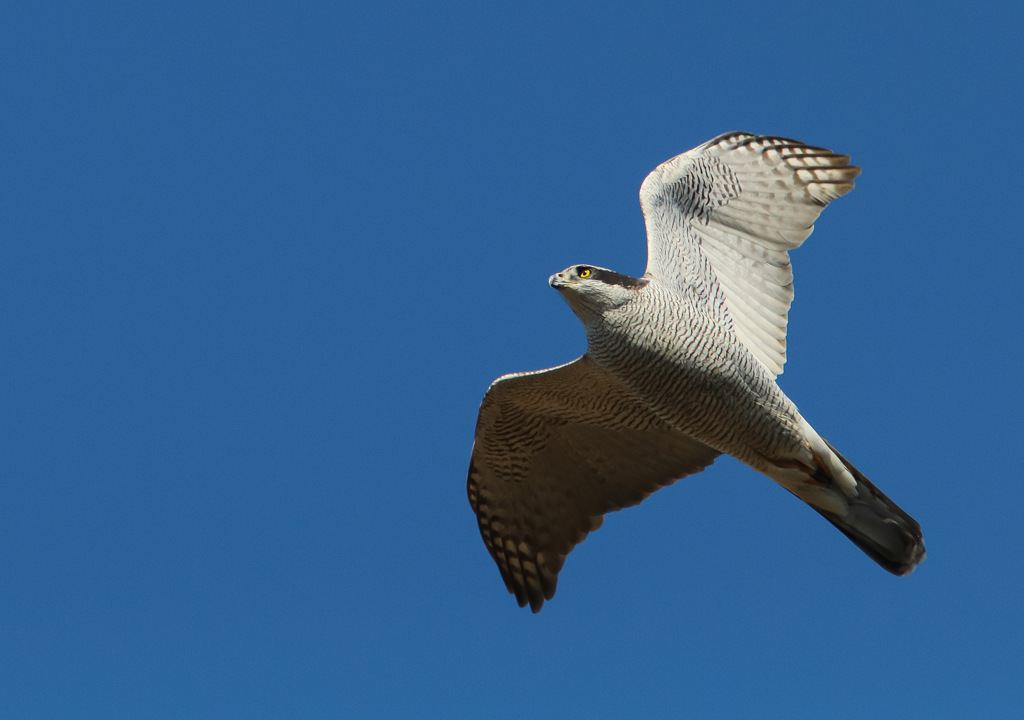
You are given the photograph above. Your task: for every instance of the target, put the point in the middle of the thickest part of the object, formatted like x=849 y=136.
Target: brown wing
x=554 y=451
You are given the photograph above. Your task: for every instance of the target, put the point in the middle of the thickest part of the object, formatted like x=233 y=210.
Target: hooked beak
x=558 y=280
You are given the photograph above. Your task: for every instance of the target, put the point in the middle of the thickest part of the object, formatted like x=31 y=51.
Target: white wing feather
x=741 y=202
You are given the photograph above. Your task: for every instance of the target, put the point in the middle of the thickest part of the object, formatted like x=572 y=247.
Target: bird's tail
x=875 y=524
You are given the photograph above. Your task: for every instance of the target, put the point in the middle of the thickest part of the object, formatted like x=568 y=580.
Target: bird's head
x=591 y=291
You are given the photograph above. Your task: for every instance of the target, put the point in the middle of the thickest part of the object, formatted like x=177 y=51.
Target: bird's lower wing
x=554 y=451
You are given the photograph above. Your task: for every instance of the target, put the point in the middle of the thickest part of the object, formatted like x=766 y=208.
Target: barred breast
x=695 y=375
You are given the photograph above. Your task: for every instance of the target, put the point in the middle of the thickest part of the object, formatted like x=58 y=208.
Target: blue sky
x=260 y=261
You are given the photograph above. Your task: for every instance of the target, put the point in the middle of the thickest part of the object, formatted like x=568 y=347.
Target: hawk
x=680 y=367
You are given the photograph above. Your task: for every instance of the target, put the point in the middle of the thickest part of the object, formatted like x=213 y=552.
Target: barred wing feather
x=728 y=212
x=554 y=451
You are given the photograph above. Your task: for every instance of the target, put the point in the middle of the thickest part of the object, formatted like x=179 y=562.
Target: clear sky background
x=260 y=261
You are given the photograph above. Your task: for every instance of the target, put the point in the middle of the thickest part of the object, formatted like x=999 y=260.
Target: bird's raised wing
x=738 y=204
x=554 y=451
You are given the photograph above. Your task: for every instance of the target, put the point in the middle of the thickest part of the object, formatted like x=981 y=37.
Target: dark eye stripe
x=610 y=277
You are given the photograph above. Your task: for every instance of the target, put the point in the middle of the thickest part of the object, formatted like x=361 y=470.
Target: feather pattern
x=680 y=367
x=742 y=201
x=555 y=450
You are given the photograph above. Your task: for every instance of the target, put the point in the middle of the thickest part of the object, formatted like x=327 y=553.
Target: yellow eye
x=585 y=272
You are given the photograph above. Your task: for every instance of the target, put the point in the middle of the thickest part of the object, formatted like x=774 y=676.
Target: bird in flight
x=680 y=367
